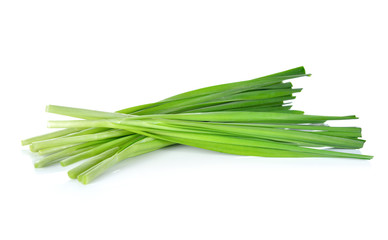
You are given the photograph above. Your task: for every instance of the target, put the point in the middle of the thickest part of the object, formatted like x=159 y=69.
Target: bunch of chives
x=246 y=118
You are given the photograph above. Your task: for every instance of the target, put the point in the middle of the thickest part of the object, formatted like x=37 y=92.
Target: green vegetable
x=246 y=118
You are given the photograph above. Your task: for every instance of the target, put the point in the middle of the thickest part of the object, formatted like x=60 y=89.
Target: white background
x=109 y=55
